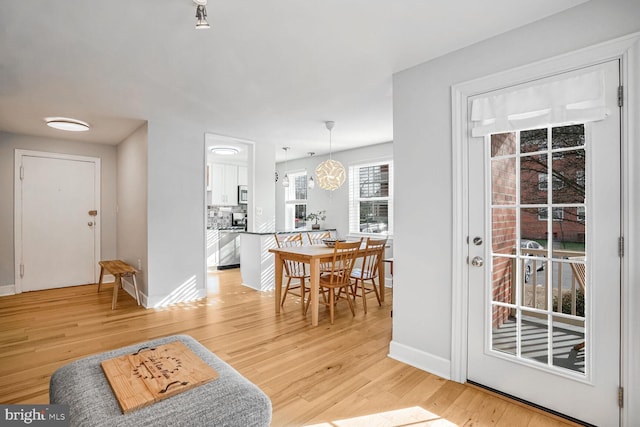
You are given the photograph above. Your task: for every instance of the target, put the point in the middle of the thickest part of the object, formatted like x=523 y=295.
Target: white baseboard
x=7 y=290
x=421 y=360
x=167 y=300
x=128 y=287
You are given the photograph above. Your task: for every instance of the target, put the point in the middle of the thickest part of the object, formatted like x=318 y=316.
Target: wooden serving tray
x=153 y=374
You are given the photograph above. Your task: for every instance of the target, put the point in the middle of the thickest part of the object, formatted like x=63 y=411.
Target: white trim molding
x=627 y=50
x=420 y=359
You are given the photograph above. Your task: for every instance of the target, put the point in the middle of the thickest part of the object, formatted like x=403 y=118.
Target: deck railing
x=535 y=291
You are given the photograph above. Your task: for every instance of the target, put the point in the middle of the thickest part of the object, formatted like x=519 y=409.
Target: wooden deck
x=314 y=376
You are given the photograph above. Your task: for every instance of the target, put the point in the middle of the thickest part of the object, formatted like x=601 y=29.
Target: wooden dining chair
x=368 y=272
x=316 y=238
x=339 y=277
x=293 y=269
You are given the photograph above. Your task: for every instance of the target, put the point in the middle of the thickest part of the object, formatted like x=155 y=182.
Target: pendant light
x=311 y=184
x=201 y=15
x=330 y=173
x=285 y=180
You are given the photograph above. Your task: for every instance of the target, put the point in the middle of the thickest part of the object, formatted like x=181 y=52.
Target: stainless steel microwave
x=243 y=194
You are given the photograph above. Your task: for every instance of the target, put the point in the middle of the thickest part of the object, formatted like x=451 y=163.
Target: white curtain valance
x=577 y=99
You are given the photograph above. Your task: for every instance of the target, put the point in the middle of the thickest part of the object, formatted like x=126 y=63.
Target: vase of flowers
x=316 y=216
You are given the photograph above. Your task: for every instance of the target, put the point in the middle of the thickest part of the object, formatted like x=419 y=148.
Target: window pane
x=374 y=181
x=533 y=180
x=503 y=181
x=300 y=187
x=301 y=214
x=503 y=144
x=374 y=216
x=569 y=177
x=533 y=140
x=568 y=136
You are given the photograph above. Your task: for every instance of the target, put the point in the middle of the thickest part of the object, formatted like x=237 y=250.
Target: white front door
x=544 y=266
x=57 y=234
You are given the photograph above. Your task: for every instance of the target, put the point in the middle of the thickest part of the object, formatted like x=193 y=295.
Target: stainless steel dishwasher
x=229 y=247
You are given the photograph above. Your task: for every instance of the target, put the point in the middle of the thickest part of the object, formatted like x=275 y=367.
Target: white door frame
x=17 y=213
x=627 y=49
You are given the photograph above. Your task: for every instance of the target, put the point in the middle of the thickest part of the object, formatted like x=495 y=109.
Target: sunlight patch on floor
x=414 y=416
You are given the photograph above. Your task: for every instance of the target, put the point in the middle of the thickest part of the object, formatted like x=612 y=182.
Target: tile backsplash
x=222 y=216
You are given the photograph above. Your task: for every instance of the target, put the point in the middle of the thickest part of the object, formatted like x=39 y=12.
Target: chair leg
x=364 y=296
x=331 y=303
x=302 y=294
x=351 y=306
x=286 y=290
x=375 y=289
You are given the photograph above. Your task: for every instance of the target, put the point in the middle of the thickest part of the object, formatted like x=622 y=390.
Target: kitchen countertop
x=287 y=232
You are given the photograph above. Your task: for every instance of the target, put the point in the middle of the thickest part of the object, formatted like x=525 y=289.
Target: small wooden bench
x=118 y=268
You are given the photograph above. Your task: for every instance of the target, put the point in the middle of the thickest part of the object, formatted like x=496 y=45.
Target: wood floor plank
x=312 y=375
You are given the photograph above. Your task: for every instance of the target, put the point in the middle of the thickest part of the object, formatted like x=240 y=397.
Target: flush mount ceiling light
x=65 y=123
x=224 y=151
x=285 y=180
x=201 y=14
x=330 y=173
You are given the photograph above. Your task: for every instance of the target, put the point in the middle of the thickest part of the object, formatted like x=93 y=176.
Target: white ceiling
x=267 y=70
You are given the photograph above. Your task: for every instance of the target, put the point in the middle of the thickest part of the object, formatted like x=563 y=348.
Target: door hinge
x=620 y=246
x=21 y=271
x=620 y=96
x=620 y=397
x=21 y=173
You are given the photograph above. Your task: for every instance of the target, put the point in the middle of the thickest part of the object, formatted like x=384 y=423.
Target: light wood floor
x=312 y=375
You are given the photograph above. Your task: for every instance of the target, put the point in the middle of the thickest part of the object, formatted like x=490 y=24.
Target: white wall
x=175 y=206
x=422 y=153
x=336 y=202
x=261 y=206
x=8 y=144
x=132 y=203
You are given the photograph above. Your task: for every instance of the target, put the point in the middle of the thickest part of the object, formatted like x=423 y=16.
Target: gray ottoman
x=230 y=400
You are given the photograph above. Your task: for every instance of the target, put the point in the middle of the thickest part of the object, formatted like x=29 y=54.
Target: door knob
x=90 y=223
x=477 y=261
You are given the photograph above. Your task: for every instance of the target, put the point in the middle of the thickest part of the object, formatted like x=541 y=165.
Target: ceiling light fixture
x=285 y=180
x=65 y=123
x=311 y=184
x=330 y=173
x=201 y=14
x=224 y=151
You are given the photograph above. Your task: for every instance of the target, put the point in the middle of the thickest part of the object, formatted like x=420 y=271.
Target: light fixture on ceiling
x=65 y=123
x=201 y=14
x=311 y=184
x=224 y=151
x=330 y=173
x=285 y=180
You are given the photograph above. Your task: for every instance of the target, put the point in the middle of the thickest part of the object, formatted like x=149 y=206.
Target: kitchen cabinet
x=224 y=184
x=243 y=177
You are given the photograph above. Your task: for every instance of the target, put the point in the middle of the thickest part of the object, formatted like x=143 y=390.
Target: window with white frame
x=295 y=197
x=371 y=198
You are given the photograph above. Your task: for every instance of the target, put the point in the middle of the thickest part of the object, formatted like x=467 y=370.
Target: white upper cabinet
x=224 y=184
x=243 y=177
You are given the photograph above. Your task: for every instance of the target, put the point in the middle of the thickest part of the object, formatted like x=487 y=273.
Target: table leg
x=116 y=286
x=278 y=276
x=315 y=290
x=381 y=278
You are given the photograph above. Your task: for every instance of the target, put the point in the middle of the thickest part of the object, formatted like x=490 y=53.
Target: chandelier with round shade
x=330 y=173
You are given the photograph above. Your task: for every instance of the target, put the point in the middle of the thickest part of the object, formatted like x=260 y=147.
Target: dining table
x=314 y=255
